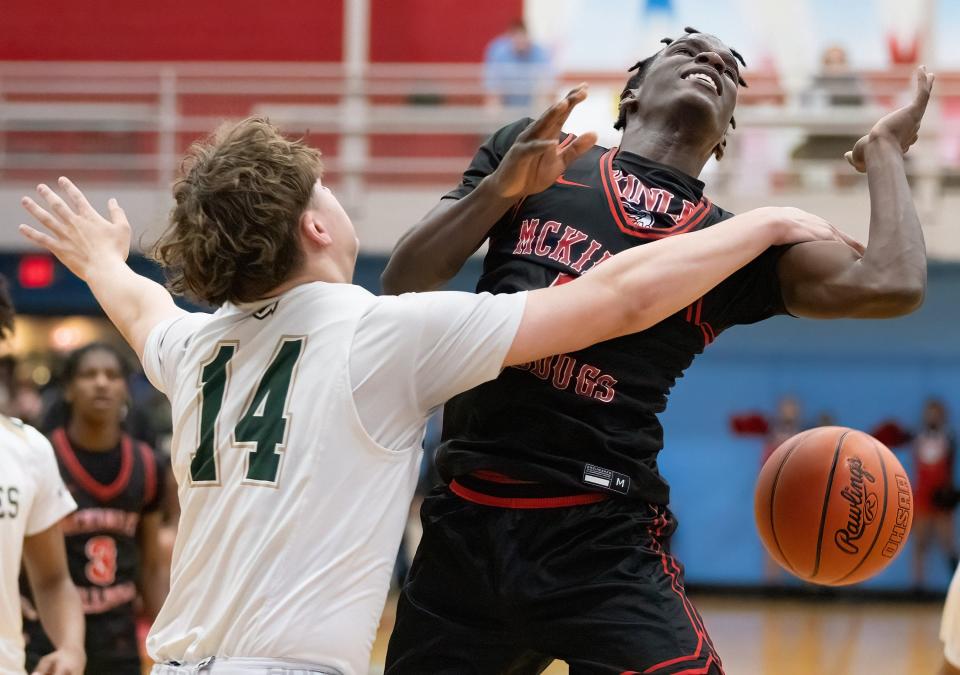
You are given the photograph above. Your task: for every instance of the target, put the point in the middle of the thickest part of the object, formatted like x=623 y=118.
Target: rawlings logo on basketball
x=862 y=507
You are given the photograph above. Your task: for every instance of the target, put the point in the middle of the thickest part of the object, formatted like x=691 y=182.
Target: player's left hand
x=79 y=236
x=899 y=127
x=61 y=662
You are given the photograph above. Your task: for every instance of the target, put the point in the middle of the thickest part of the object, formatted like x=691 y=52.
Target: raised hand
x=79 y=236
x=900 y=127
x=535 y=160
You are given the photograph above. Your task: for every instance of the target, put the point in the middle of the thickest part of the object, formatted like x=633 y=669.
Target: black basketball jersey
x=588 y=419
x=113 y=489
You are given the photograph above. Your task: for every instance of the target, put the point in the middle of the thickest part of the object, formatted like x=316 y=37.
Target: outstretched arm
x=828 y=280
x=95 y=249
x=434 y=250
x=640 y=287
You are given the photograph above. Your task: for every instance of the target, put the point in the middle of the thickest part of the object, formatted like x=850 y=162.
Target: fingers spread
x=534 y=147
x=39 y=238
x=41 y=214
x=581 y=145
x=549 y=124
x=57 y=205
x=76 y=198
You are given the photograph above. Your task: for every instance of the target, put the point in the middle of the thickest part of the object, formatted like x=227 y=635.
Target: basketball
x=833 y=506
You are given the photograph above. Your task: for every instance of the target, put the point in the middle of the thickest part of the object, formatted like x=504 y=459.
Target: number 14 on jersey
x=261 y=430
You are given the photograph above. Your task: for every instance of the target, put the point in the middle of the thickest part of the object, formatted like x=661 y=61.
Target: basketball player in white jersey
x=299 y=406
x=33 y=500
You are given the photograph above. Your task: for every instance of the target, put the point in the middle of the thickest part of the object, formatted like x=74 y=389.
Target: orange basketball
x=833 y=506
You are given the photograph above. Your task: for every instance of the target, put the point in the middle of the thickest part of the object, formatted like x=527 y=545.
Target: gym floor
x=801 y=637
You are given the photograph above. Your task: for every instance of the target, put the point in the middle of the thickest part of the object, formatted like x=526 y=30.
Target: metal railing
x=131 y=121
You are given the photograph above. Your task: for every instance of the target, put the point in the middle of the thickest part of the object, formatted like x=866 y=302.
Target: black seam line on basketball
x=773 y=494
x=826 y=502
x=883 y=515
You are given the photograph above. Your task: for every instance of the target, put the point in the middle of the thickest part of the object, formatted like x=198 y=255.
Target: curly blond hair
x=232 y=235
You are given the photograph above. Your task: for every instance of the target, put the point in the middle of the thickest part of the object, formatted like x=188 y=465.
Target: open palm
x=78 y=235
x=901 y=126
x=536 y=160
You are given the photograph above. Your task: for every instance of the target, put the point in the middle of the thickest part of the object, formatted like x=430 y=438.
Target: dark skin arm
x=435 y=249
x=828 y=280
x=57 y=602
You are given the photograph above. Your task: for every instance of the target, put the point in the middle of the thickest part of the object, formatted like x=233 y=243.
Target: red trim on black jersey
x=570 y=138
x=672 y=570
x=620 y=216
x=103 y=493
x=525 y=502
x=149 y=473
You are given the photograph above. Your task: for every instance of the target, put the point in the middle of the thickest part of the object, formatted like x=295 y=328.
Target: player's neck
x=666 y=143
x=92 y=435
x=326 y=270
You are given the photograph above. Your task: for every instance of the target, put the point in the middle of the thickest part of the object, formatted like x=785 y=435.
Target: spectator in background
x=935 y=497
x=774 y=430
x=835 y=86
x=516 y=68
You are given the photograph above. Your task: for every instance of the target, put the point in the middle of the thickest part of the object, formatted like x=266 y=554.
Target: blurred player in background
x=33 y=500
x=299 y=407
x=775 y=430
x=573 y=561
x=113 y=539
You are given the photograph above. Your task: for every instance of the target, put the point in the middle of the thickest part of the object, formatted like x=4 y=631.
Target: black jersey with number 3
x=113 y=489
x=588 y=419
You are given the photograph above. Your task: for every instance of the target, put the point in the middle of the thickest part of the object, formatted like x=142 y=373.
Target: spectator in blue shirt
x=516 y=68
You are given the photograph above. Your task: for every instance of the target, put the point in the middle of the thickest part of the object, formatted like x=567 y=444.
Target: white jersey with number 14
x=296 y=448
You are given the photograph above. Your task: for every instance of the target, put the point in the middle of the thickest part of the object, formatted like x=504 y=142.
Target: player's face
x=99 y=390
x=695 y=77
x=338 y=224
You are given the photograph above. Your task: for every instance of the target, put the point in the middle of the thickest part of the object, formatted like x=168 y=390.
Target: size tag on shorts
x=597 y=476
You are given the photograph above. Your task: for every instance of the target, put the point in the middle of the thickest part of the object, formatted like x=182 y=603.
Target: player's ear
x=628 y=100
x=313 y=231
x=720 y=148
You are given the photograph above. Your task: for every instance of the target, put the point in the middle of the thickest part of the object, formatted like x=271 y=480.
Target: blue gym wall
x=860 y=371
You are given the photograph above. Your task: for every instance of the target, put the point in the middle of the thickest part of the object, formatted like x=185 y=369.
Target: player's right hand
x=535 y=159
x=79 y=236
x=796 y=226
x=61 y=662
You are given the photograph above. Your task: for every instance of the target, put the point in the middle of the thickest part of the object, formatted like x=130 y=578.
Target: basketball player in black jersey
x=551 y=537
x=113 y=539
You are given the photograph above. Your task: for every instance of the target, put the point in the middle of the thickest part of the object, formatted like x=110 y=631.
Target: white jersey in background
x=297 y=429
x=33 y=498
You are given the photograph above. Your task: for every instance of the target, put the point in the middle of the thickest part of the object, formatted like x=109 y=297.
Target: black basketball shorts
x=505 y=591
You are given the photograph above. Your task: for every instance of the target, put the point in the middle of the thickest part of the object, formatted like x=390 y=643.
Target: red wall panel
x=437 y=30
x=200 y=30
